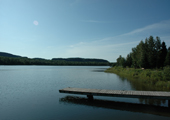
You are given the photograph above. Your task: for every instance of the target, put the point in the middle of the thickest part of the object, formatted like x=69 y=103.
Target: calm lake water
x=32 y=93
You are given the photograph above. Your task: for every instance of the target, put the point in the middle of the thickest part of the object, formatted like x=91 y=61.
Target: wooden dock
x=118 y=93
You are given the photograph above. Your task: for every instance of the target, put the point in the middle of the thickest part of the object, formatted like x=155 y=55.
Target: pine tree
x=119 y=60
x=129 y=60
x=163 y=54
x=167 y=60
x=141 y=54
x=146 y=49
x=151 y=52
x=134 y=57
x=158 y=47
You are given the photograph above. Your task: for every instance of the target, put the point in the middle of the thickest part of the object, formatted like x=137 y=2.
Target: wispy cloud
x=142 y=33
x=78 y=44
x=112 y=47
x=92 y=21
x=154 y=27
x=99 y=50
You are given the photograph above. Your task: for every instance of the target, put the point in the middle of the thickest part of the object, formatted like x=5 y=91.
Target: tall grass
x=156 y=78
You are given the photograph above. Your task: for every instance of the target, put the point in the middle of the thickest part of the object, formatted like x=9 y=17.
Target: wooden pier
x=118 y=93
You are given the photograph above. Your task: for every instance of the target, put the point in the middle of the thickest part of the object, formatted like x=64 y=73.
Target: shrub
x=166 y=73
x=148 y=79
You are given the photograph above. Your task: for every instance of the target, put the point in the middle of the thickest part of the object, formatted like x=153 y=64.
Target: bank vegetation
x=147 y=64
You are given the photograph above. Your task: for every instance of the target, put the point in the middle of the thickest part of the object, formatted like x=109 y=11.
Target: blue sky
x=80 y=28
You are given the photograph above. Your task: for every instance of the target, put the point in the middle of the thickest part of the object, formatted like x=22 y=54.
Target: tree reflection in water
x=133 y=107
x=136 y=85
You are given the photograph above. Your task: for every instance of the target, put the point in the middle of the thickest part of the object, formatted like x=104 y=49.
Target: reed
x=157 y=78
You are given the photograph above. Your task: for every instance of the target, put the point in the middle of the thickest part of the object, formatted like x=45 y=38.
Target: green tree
x=134 y=57
x=158 y=47
x=141 y=54
x=167 y=60
x=163 y=54
x=148 y=54
x=121 y=61
x=151 y=52
x=146 y=51
x=129 y=60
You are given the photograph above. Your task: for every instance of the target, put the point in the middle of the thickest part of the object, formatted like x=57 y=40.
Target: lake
x=32 y=93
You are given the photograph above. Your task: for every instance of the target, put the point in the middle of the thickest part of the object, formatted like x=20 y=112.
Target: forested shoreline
x=147 y=65
x=148 y=54
x=55 y=61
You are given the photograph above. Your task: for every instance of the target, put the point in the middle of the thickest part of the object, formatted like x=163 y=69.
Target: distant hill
x=81 y=60
x=10 y=59
x=38 y=58
x=4 y=54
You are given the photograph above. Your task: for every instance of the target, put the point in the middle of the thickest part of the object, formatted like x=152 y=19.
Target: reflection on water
x=152 y=101
x=31 y=93
x=99 y=70
x=142 y=87
x=133 y=107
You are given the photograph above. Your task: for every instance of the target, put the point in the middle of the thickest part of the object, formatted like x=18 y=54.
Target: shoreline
x=147 y=79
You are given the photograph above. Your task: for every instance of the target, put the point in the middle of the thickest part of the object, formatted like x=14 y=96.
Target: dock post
x=90 y=97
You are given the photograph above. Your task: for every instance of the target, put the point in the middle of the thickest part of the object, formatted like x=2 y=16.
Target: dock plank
x=118 y=93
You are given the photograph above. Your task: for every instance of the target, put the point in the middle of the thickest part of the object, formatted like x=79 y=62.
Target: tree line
x=151 y=53
x=39 y=61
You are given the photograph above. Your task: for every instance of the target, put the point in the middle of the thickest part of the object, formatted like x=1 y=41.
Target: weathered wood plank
x=118 y=93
